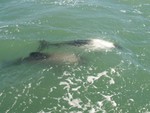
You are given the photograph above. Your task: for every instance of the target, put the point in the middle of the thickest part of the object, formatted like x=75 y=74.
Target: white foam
x=75 y=103
x=71 y=101
x=131 y=99
x=114 y=103
x=52 y=88
x=67 y=85
x=3 y=26
x=91 y=79
x=123 y=11
x=112 y=71
x=112 y=81
x=109 y=98
x=92 y=110
x=1 y=94
x=99 y=44
x=66 y=73
x=66 y=2
x=29 y=85
x=76 y=89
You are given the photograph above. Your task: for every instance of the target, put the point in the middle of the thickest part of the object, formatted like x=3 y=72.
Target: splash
x=99 y=44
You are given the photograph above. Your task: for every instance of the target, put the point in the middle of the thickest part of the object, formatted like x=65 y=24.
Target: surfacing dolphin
x=91 y=44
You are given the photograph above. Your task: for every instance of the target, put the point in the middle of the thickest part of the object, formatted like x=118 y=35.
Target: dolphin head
x=37 y=56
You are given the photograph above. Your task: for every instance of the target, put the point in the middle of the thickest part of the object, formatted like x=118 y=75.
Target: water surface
x=115 y=81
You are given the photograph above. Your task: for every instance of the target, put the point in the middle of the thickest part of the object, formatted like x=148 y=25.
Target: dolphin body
x=91 y=44
x=45 y=44
x=56 y=58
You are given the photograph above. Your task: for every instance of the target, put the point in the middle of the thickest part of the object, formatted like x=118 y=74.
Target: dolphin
x=42 y=57
x=45 y=44
x=91 y=44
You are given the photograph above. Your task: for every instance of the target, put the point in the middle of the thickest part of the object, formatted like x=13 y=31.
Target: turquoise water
x=115 y=81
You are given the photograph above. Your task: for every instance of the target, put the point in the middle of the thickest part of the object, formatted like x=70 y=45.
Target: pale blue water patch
x=115 y=81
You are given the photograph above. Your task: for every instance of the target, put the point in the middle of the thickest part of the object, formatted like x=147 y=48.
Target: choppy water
x=116 y=81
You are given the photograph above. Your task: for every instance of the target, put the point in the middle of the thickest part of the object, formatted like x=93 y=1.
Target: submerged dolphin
x=49 y=58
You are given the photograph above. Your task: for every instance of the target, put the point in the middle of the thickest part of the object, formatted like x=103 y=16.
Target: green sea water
x=116 y=81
